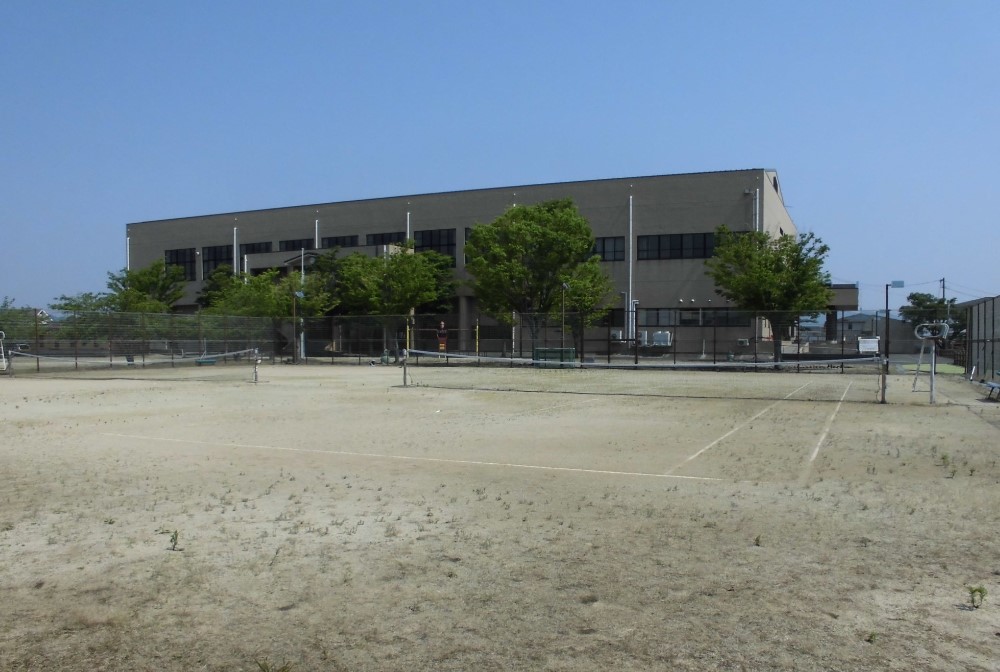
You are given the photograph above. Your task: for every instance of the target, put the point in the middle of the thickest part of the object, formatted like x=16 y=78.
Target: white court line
x=826 y=430
x=733 y=430
x=510 y=465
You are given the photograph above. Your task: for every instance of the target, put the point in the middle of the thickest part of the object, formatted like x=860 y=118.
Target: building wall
x=666 y=204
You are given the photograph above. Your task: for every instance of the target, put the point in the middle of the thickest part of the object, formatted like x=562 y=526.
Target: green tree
x=922 y=307
x=779 y=278
x=215 y=285
x=82 y=302
x=394 y=284
x=271 y=295
x=154 y=289
x=521 y=261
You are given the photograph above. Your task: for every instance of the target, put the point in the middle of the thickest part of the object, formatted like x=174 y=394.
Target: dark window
x=672 y=246
x=295 y=245
x=385 y=238
x=610 y=249
x=725 y=317
x=689 y=318
x=215 y=256
x=676 y=246
x=185 y=258
x=439 y=240
x=255 y=248
x=657 y=317
x=340 y=241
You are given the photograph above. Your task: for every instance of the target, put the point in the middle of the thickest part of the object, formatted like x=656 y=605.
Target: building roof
x=456 y=191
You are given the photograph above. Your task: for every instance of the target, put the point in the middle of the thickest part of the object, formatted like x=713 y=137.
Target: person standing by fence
x=442 y=336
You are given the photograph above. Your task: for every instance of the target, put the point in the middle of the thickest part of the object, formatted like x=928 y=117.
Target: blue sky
x=881 y=118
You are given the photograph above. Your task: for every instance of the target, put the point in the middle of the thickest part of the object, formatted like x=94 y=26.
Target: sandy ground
x=329 y=519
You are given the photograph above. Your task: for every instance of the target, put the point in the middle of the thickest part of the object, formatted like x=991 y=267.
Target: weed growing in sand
x=871 y=637
x=976 y=595
x=174 y=536
x=264 y=665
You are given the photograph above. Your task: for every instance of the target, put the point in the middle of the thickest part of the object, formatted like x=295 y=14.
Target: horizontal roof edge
x=457 y=191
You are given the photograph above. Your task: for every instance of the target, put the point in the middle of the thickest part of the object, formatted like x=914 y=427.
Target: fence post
x=111 y=338
x=76 y=341
x=635 y=333
x=38 y=359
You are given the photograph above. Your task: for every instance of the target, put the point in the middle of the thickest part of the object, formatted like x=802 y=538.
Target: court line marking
x=822 y=437
x=412 y=458
x=829 y=423
x=733 y=431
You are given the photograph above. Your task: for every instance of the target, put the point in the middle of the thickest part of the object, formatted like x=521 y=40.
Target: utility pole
x=947 y=306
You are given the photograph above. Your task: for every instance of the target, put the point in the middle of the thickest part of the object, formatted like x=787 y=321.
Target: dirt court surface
x=328 y=518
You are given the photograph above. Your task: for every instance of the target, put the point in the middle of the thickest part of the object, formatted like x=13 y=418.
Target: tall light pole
x=895 y=284
x=562 y=331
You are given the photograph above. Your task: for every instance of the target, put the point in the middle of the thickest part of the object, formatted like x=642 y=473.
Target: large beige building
x=653 y=234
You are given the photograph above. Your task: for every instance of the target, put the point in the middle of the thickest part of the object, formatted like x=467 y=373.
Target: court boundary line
x=822 y=437
x=412 y=458
x=733 y=430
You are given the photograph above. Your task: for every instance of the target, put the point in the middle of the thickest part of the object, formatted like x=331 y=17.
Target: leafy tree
x=394 y=284
x=779 y=278
x=923 y=307
x=521 y=261
x=587 y=294
x=154 y=289
x=82 y=302
x=270 y=295
x=216 y=284
x=15 y=322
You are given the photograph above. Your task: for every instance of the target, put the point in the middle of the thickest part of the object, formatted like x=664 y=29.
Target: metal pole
x=885 y=355
x=635 y=330
x=628 y=297
x=933 y=366
x=38 y=360
x=562 y=328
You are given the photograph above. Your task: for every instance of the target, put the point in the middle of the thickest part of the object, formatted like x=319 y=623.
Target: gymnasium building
x=652 y=233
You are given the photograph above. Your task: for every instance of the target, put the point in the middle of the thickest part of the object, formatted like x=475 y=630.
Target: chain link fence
x=676 y=336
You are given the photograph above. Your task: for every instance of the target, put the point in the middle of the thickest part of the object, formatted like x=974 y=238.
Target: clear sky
x=881 y=117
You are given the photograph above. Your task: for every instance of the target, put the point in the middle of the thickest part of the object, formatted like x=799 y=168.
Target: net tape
x=427 y=357
x=124 y=360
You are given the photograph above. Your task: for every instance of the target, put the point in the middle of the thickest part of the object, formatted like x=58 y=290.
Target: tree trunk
x=777 y=332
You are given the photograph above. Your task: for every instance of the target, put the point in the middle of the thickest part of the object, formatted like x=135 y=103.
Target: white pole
x=933 y=367
x=246 y=264
x=128 y=253
x=629 y=323
x=407 y=224
x=302 y=332
x=756 y=210
x=316 y=236
x=236 y=251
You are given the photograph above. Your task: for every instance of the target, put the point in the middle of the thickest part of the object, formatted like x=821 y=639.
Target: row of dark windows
x=676 y=246
x=611 y=248
x=440 y=240
x=661 y=246
x=184 y=258
x=685 y=317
